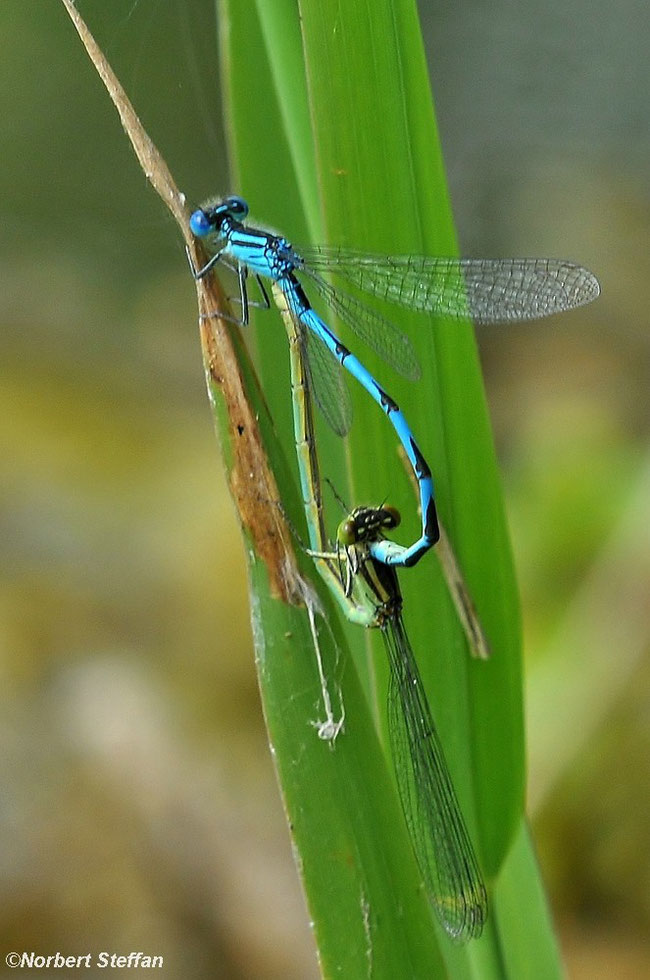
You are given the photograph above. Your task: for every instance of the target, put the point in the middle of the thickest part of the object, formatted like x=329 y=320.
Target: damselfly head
x=209 y=219
x=367 y=524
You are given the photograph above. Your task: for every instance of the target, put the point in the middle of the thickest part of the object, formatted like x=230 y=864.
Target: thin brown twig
x=250 y=477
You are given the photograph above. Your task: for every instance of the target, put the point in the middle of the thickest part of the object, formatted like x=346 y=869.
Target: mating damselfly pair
x=485 y=290
x=361 y=570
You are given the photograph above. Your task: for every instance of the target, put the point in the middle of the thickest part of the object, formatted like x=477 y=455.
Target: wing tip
x=471 y=915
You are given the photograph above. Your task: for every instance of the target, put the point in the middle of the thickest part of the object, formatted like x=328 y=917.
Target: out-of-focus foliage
x=139 y=806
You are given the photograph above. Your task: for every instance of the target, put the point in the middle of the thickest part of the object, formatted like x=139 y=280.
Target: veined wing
x=327 y=383
x=438 y=833
x=384 y=337
x=486 y=290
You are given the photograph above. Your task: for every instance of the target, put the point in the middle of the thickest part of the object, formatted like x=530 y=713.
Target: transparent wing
x=391 y=344
x=487 y=290
x=438 y=833
x=326 y=380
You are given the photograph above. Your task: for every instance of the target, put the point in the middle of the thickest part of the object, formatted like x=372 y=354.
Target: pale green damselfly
x=368 y=593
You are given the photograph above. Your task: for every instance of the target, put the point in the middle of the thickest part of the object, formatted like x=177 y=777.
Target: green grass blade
x=527 y=942
x=283 y=45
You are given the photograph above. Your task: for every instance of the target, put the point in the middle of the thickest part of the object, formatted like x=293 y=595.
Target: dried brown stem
x=251 y=478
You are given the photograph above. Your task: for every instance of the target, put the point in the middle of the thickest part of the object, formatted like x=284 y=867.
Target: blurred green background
x=139 y=807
